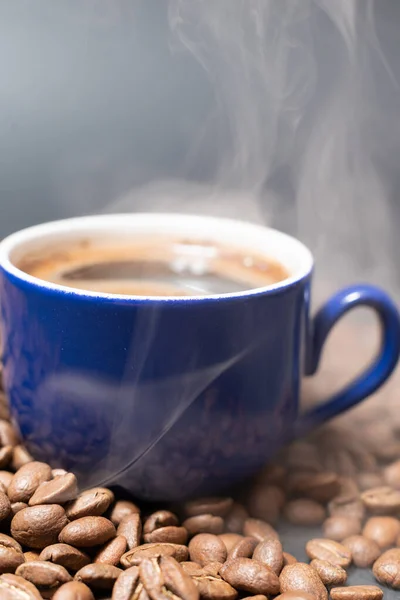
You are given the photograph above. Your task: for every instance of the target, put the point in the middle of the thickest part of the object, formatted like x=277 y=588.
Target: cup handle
x=374 y=375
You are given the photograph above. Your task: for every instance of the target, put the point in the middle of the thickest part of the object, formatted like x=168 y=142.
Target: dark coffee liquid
x=149 y=267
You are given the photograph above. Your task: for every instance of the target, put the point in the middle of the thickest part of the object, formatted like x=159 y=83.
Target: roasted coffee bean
x=295 y=596
x=91 y=503
x=5 y=506
x=270 y=553
x=121 y=509
x=58 y=472
x=250 y=576
x=204 y=524
x=382 y=530
x=214 y=588
x=111 y=553
x=219 y=507
x=329 y=550
x=256 y=597
x=5 y=479
x=31 y=556
x=346 y=506
x=163 y=578
x=244 y=548
x=75 y=590
x=382 y=500
x=87 y=532
x=302 y=578
x=366 y=481
x=357 y=592
x=26 y=481
x=5 y=456
x=13 y=587
x=260 y=530
x=205 y=548
x=16 y=507
x=127 y=584
x=339 y=528
x=8 y=434
x=274 y=474
x=46 y=576
x=10 y=559
x=192 y=568
x=266 y=502
x=321 y=487
x=386 y=568
x=65 y=555
x=160 y=518
x=136 y=555
x=131 y=528
x=98 y=576
x=8 y=542
x=289 y=559
x=38 y=526
x=212 y=568
x=304 y=512
x=230 y=539
x=235 y=519
x=329 y=574
x=391 y=475
x=364 y=552
x=57 y=491
x=20 y=457
x=175 y=535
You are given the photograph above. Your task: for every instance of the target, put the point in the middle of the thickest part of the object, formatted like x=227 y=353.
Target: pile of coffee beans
x=57 y=542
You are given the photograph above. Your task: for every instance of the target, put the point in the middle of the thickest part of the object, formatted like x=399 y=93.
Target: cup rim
x=107 y=221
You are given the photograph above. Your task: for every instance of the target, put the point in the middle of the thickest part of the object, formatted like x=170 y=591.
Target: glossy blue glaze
x=170 y=398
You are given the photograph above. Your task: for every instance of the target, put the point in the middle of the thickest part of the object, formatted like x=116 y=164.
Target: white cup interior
x=277 y=246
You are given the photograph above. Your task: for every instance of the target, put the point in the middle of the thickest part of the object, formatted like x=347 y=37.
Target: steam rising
x=297 y=124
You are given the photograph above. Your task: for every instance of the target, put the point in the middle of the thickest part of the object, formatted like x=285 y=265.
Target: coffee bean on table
x=214 y=588
x=57 y=491
x=6 y=454
x=329 y=550
x=204 y=524
x=321 y=487
x=160 y=518
x=260 y=530
x=175 y=535
x=7 y=541
x=164 y=577
x=338 y=528
x=111 y=553
x=5 y=506
x=136 y=555
x=65 y=555
x=17 y=506
x=98 y=576
x=329 y=574
x=46 y=576
x=26 y=481
x=126 y=585
x=270 y=553
x=289 y=559
x=367 y=481
x=300 y=577
x=212 y=568
x=90 y=503
x=386 y=568
x=30 y=556
x=244 y=548
x=364 y=552
x=382 y=530
x=357 y=592
x=219 y=507
x=295 y=596
x=205 y=548
x=38 y=526
x=20 y=457
x=346 y=506
x=229 y=539
x=75 y=590
x=248 y=575
x=131 y=528
x=256 y=597
x=6 y=478
x=266 y=502
x=10 y=559
x=13 y=587
x=86 y=531
x=304 y=511
x=192 y=568
x=381 y=501
x=234 y=521
x=121 y=509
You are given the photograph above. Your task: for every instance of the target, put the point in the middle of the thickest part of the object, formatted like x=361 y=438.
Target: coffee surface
x=153 y=267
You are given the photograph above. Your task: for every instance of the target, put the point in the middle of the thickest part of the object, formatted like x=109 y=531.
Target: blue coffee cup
x=170 y=397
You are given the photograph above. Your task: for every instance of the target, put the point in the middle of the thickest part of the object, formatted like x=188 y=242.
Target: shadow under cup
x=167 y=396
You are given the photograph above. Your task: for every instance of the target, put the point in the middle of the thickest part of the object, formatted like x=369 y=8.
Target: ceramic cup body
x=169 y=397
